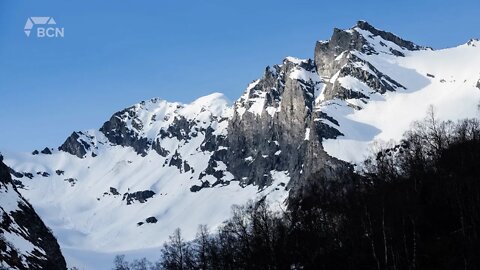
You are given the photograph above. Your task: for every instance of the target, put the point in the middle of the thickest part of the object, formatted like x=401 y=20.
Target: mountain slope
x=386 y=102
x=159 y=165
x=25 y=242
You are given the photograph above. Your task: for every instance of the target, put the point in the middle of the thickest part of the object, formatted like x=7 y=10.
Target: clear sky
x=116 y=53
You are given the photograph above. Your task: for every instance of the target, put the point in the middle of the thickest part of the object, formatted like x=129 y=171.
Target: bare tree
x=176 y=254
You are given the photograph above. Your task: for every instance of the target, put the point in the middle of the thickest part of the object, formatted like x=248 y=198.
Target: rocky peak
x=363 y=38
x=144 y=125
x=474 y=42
x=270 y=127
x=345 y=57
x=78 y=144
x=132 y=127
x=285 y=127
x=264 y=94
x=84 y=143
x=363 y=25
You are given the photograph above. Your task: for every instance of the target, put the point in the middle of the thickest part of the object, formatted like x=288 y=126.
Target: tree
x=120 y=263
x=203 y=250
x=176 y=253
x=141 y=264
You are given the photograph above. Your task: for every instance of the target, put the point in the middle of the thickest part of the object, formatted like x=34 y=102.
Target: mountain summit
x=159 y=165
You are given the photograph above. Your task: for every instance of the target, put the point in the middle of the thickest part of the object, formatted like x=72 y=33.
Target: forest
x=413 y=205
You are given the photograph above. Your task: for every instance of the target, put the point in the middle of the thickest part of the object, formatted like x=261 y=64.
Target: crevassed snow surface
x=451 y=91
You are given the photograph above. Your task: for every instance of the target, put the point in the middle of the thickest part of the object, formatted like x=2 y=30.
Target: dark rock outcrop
x=72 y=181
x=25 y=223
x=176 y=161
x=43 y=174
x=364 y=72
x=140 y=196
x=156 y=145
x=46 y=151
x=15 y=173
x=75 y=146
x=389 y=36
x=180 y=129
x=114 y=191
x=151 y=220
x=117 y=131
x=196 y=188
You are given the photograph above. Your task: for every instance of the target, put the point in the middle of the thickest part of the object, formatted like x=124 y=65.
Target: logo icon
x=45 y=27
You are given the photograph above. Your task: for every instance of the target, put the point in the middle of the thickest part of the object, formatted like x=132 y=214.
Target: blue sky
x=116 y=53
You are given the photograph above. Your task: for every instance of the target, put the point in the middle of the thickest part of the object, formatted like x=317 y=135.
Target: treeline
x=415 y=206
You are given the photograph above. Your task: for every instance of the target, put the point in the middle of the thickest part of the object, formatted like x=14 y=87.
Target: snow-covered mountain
x=25 y=242
x=158 y=165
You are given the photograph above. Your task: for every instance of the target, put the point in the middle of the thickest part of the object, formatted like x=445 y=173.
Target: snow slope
x=163 y=160
x=83 y=199
x=445 y=79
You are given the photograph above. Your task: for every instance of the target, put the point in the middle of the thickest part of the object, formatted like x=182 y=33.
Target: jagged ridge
x=304 y=116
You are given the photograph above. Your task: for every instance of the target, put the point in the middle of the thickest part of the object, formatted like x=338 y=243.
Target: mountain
x=159 y=165
x=25 y=241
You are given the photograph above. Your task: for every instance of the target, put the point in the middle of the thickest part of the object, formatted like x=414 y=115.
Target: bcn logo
x=45 y=26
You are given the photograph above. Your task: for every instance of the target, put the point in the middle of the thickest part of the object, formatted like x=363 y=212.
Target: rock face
x=340 y=58
x=123 y=128
x=46 y=151
x=140 y=196
x=168 y=157
x=75 y=145
x=277 y=125
x=356 y=39
x=151 y=220
x=389 y=36
x=25 y=242
x=146 y=125
x=272 y=127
